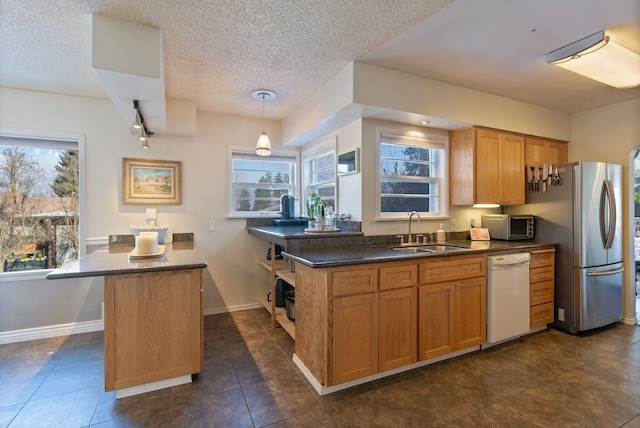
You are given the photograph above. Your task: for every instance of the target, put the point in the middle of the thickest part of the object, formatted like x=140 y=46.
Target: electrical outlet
x=453 y=225
x=212 y=226
x=560 y=314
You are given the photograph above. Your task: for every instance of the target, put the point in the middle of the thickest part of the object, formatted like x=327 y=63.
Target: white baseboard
x=50 y=331
x=324 y=390
x=153 y=386
x=237 y=308
x=88 y=326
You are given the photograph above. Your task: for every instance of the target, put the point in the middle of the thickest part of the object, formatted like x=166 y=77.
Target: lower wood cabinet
x=153 y=327
x=452 y=316
x=541 y=286
x=397 y=328
x=373 y=332
x=355 y=338
x=357 y=321
x=452 y=305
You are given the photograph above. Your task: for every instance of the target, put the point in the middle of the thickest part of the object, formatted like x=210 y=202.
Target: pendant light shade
x=263 y=148
x=599 y=58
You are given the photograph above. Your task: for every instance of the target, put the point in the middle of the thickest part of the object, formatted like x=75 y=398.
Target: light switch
x=212 y=226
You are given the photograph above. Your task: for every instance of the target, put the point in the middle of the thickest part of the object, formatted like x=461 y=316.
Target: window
x=319 y=174
x=258 y=183
x=411 y=173
x=39 y=203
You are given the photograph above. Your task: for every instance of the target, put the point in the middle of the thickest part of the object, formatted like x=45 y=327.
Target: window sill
x=29 y=275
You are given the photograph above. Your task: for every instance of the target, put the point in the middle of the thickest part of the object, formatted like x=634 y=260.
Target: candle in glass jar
x=147 y=243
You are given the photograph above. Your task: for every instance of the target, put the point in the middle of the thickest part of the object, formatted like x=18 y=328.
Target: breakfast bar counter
x=153 y=315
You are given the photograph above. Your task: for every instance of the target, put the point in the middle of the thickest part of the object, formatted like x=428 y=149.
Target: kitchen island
x=153 y=315
x=367 y=312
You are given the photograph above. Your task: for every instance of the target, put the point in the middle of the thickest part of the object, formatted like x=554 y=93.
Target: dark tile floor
x=550 y=379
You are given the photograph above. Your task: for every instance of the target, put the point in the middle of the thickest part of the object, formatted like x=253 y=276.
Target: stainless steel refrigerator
x=583 y=214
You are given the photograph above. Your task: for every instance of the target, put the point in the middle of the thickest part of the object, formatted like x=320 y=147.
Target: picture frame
x=349 y=162
x=151 y=182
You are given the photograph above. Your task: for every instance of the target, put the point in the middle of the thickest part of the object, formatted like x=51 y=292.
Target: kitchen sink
x=414 y=249
x=429 y=248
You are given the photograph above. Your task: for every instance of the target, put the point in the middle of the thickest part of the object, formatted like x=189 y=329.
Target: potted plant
x=23 y=257
x=314 y=206
x=39 y=255
x=11 y=256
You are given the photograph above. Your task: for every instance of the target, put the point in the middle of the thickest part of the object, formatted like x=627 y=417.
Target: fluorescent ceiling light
x=599 y=58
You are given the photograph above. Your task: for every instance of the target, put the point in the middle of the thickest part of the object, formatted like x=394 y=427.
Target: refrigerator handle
x=611 y=198
x=609 y=272
x=607 y=196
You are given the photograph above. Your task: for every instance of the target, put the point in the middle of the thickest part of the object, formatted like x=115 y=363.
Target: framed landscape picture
x=149 y=181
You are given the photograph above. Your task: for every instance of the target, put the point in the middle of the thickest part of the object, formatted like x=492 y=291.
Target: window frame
x=421 y=139
x=63 y=137
x=250 y=152
x=317 y=150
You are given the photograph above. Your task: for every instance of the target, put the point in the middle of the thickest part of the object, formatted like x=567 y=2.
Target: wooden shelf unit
x=278 y=269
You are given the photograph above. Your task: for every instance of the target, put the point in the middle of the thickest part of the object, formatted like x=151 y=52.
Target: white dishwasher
x=507 y=296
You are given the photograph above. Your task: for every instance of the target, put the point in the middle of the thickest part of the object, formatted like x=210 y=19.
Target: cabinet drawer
x=398 y=276
x=541 y=274
x=540 y=292
x=542 y=258
x=355 y=281
x=447 y=269
x=540 y=315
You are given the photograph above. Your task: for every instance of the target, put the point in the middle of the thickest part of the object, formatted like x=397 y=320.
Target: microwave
x=507 y=227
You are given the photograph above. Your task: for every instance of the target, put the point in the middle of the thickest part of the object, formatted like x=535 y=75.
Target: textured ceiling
x=216 y=52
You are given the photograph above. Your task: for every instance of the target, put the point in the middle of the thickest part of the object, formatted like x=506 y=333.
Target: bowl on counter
x=160 y=228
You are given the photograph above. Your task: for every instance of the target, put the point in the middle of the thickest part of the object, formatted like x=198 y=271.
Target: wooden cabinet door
x=540 y=151
x=512 y=170
x=557 y=153
x=470 y=312
x=536 y=151
x=153 y=327
x=435 y=320
x=487 y=178
x=397 y=328
x=355 y=337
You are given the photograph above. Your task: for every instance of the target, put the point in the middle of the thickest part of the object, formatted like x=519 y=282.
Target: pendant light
x=263 y=148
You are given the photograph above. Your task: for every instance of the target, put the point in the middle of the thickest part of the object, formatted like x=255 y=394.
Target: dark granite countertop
x=269 y=233
x=351 y=255
x=113 y=260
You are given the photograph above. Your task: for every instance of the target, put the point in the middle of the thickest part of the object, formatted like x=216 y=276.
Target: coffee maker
x=287 y=207
x=288 y=213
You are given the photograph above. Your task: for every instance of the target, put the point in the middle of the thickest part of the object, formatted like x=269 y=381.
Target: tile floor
x=550 y=379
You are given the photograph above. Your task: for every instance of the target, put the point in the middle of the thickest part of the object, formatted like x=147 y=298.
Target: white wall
x=611 y=134
x=232 y=278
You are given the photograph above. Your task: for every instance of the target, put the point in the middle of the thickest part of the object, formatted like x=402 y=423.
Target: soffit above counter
x=366 y=91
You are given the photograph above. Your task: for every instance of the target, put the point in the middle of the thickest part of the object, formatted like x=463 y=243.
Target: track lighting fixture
x=138 y=123
x=263 y=148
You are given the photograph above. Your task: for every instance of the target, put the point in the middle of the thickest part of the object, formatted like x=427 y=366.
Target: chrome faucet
x=411 y=214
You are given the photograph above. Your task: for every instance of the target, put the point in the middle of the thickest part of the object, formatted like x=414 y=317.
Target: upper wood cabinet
x=540 y=151
x=486 y=167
